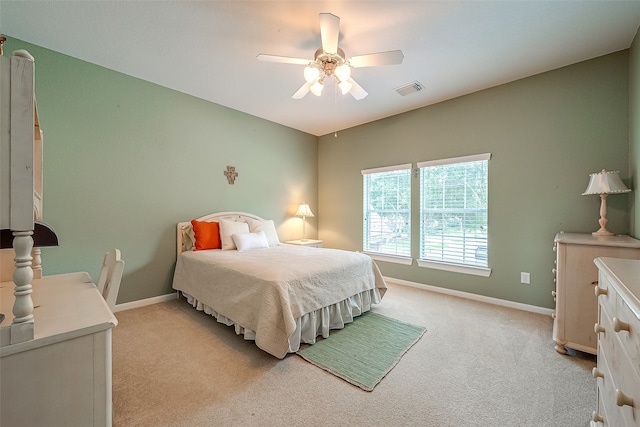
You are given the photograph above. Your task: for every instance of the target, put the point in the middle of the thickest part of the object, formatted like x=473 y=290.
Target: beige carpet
x=477 y=365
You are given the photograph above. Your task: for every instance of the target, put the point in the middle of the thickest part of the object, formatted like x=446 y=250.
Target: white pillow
x=249 y=241
x=228 y=229
x=269 y=228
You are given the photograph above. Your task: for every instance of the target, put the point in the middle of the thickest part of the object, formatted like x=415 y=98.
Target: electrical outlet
x=525 y=278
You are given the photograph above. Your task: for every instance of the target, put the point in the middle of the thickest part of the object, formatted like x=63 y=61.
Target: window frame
x=440 y=264
x=383 y=256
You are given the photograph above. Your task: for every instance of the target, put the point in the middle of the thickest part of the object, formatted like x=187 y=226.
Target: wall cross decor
x=231 y=174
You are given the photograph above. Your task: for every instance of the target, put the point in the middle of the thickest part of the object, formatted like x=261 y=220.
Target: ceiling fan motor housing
x=328 y=62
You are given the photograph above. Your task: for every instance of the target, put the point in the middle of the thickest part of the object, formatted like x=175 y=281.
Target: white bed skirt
x=310 y=325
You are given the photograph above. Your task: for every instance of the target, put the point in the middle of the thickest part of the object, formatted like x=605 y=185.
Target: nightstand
x=305 y=242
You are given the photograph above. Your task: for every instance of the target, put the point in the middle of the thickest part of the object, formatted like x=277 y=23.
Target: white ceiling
x=208 y=48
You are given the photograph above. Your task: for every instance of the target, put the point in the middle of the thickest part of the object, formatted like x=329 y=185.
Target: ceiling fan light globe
x=345 y=87
x=343 y=72
x=316 y=88
x=311 y=73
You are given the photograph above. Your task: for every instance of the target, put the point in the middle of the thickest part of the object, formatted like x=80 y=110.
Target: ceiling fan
x=330 y=60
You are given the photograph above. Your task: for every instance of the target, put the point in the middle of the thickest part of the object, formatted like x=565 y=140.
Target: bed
x=276 y=294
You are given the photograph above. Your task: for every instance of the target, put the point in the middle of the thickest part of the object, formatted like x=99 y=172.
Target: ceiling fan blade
x=302 y=91
x=282 y=59
x=329 y=32
x=373 y=59
x=356 y=90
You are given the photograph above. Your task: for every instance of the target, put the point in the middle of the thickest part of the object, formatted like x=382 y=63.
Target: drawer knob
x=553 y=293
x=597 y=418
x=619 y=325
x=597 y=328
x=601 y=291
x=597 y=373
x=622 y=399
x=553 y=315
x=553 y=270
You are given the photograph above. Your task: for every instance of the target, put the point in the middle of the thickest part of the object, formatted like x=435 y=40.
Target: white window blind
x=387 y=210
x=454 y=210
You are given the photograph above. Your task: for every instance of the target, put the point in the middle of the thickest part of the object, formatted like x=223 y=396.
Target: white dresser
x=576 y=276
x=618 y=331
x=62 y=377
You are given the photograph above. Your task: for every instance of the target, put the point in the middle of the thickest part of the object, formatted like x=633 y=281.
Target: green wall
x=546 y=133
x=125 y=160
x=634 y=132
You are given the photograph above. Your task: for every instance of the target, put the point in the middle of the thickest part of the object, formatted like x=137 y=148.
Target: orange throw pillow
x=207 y=235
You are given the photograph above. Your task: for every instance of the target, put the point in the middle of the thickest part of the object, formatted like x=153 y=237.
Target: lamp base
x=603 y=218
x=602 y=232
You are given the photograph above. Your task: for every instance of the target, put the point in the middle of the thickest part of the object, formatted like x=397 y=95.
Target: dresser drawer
x=626 y=396
x=607 y=407
x=618 y=330
x=607 y=296
x=606 y=336
x=619 y=376
x=599 y=416
x=624 y=318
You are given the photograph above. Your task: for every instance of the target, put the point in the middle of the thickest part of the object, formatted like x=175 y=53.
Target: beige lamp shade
x=304 y=210
x=605 y=183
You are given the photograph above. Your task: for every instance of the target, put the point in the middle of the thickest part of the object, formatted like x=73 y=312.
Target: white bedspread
x=266 y=290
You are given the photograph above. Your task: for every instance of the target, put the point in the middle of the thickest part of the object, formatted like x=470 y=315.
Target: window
x=387 y=213
x=453 y=213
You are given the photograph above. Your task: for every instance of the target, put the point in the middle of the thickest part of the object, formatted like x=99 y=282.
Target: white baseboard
x=461 y=294
x=143 y=302
x=468 y=295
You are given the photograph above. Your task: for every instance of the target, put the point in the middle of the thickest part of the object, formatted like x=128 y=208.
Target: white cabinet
x=62 y=377
x=576 y=276
x=618 y=329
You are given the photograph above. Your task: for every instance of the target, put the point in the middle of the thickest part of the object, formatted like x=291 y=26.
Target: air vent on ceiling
x=412 y=87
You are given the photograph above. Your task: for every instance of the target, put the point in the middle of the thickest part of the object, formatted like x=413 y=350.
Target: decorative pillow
x=269 y=228
x=249 y=241
x=188 y=238
x=207 y=235
x=228 y=229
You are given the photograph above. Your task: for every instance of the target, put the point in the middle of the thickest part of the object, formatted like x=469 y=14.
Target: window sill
x=465 y=269
x=390 y=258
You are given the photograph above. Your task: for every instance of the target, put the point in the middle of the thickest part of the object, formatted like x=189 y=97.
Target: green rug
x=364 y=351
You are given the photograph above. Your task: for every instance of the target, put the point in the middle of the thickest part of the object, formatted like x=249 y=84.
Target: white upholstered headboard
x=186 y=238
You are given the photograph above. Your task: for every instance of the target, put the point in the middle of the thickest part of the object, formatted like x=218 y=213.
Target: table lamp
x=604 y=183
x=304 y=212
